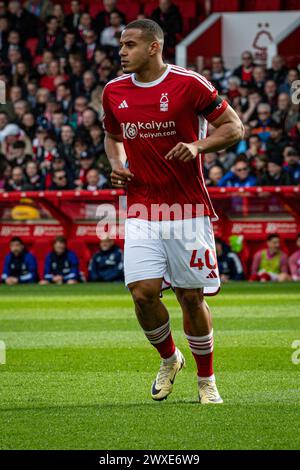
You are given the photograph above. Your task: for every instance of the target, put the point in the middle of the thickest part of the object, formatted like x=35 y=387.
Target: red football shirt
x=152 y=118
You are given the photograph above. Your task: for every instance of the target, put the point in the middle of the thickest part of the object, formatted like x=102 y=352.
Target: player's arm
x=228 y=131
x=116 y=155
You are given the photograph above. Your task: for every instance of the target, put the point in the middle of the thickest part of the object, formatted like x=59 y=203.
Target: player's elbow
x=238 y=131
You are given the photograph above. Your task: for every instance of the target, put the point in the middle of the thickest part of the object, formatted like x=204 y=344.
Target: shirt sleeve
x=6 y=268
x=208 y=102
x=110 y=122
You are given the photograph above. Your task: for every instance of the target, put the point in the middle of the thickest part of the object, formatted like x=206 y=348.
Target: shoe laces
x=163 y=372
x=209 y=388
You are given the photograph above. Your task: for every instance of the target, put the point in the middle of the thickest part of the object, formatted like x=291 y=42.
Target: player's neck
x=151 y=74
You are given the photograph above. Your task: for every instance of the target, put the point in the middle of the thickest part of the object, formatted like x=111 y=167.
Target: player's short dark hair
x=150 y=29
x=272 y=236
x=16 y=239
x=60 y=239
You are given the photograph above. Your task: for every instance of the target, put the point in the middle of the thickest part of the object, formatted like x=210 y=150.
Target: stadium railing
x=246 y=217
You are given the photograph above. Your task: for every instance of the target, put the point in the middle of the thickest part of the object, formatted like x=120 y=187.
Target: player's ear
x=154 y=48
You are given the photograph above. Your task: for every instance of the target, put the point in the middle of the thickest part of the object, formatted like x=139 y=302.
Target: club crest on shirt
x=164 y=102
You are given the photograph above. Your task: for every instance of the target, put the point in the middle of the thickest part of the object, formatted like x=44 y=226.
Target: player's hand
x=120 y=177
x=11 y=281
x=183 y=152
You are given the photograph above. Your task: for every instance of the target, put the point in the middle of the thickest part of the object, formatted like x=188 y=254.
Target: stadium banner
x=253 y=32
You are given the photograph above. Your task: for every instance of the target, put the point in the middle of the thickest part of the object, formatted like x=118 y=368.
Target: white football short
x=181 y=252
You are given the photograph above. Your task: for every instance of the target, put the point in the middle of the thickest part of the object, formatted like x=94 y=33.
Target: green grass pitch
x=79 y=371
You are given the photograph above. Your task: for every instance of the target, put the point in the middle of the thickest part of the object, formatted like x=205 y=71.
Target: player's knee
x=191 y=300
x=144 y=295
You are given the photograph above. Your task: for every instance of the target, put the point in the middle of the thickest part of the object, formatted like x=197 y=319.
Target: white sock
x=172 y=358
x=209 y=379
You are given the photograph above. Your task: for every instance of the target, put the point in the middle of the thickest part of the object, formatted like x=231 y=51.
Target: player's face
x=59 y=248
x=106 y=244
x=135 y=51
x=274 y=244
x=16 y=248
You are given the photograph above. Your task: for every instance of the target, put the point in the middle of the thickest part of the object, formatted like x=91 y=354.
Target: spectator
x=292 y=164
x=292 y=76
x=255 y=147
x=270 y=93
x=110 y=36
x=22 y=20
x=278 y=71
x=17 y=182
x=270 y=264
x=95 y=180
x=85 y=25
x=58 y=12
x=86 y=163
x=107 y=264
x=88 y=84
x=220 y=74
x=277 y=140
x=263 y=125
x=20 y=266
x=230 y=266
x=261 y=165
x=275 y=175
x=39 y=8
x=215 y=174
x=294 y=262
x=240 y=175
x=226 y=159
x=210 y=160
x=72 y=20
x=168 y=16
x=66 y=146
x=52 y=39
x=89 y=46
x=259 y=78
x=3 y=123
x=245 y=70
x=18 y=157
x=64 y=97
x=283 y=109
x=102 y=20
x=33 y=176
x=28 y=125
x=294 y=134
x=61 y=265
x=60 y=181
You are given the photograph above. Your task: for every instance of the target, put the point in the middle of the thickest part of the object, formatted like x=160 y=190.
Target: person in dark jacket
x=275 y=174
x=107 y=264
x=61 y=265
x=169 y=18
x=20 y=266
x=230 y=266
x=292 y=164
x=102 y=20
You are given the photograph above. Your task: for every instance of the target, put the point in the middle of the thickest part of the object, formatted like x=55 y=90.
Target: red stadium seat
x=225 y=5
x=149 y=7
x=31 y=45
x=131 y=9
x=4 y=250
x=40 y=250
x=83 y=253
x=261 y=5
x=95 y=8
x=291 y=5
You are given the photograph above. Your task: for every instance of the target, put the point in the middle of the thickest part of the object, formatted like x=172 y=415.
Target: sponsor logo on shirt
x=148 y=130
